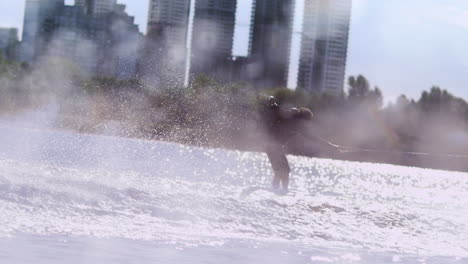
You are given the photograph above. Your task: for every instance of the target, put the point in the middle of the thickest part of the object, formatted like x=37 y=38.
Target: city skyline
x=204 y=42
x=383 y=44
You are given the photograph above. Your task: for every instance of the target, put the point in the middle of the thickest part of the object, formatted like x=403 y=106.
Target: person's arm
x=324 y=145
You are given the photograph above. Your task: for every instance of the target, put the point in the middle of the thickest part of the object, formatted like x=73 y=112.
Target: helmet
x=272 y=102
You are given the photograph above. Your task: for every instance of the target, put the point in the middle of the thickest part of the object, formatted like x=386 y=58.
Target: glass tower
x=213 y=37
x=324 y=45
x=97 y=7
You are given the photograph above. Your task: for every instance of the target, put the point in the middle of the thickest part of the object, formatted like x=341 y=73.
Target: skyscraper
x=104 y=44
x=272 y=31
x=324 y=45
x=97 y=7
x=168 y=20
x=211 y=46
x=213 y=37
x=37 y=13
x=165 y=48
x=9 y=43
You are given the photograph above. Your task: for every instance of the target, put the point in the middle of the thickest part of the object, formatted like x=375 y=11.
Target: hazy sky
x=402 y=46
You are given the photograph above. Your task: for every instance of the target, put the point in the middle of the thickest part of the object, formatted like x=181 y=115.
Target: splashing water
x=96 y=199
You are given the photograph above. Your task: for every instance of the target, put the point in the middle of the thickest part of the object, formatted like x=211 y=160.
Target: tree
x=359 y=87
x=402 y=102
x=360 y=92
x=375 y=97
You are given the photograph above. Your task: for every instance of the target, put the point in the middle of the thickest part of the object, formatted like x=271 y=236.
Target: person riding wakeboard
x=283 y=129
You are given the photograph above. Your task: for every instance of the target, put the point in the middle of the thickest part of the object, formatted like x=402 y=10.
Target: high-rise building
x=164 y=56
x=105 y=44
x=97 y=7
x=168 y=20
x=324 y=45
x=272 y=30
x=213 y=37
x=37 y=14
x=9 y=43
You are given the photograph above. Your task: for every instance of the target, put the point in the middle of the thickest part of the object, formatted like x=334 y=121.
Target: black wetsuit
x=290 y=130
x=281 y=127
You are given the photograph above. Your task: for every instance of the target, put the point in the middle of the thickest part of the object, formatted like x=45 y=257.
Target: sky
x=402 y=46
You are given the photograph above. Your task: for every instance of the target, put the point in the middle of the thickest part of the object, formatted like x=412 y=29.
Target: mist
x=218 y=112
x=105 y=157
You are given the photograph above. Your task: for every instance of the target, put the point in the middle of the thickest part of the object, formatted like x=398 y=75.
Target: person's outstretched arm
x=322 y=145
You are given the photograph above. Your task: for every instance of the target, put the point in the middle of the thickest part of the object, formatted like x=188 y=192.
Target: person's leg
x=284 y=168
x=285 y=180
x=272 y=154
x=276 y=180
x=280 y=166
